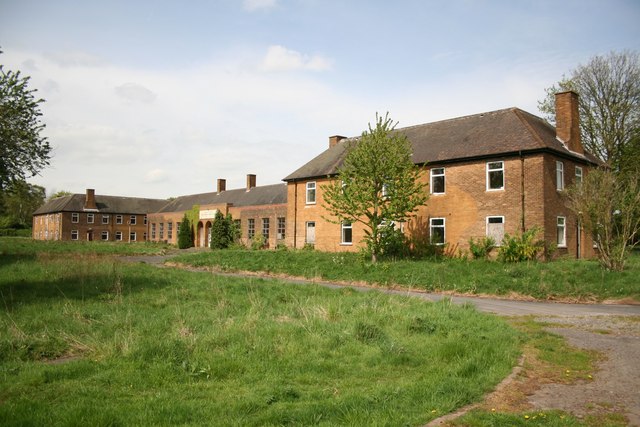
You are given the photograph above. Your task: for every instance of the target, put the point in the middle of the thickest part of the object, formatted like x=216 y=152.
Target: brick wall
x=61 y=226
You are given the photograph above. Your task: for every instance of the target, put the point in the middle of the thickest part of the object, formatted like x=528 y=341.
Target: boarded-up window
x=495 y=228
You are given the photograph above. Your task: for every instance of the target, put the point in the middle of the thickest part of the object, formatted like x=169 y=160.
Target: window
x=265 y=228
x=105 y=219
x=559 y=176
x=118 y=236
x=161 y=230
x=436 y=228
x=437 y=181
x=144 y=220
x=578 y=175
x=177 y=227
x=104 y=235
x=153 y=231
x=74 y=234
x=132 y=220
x=311 y=193
x=385 y=191
x=495 y=228
x=562 y=232
x=132 y=236
x=89 y=218
x=251 y=228
x=118 y=219
x=170 y=230
x=144 y=236
x=282 y=226
x=495 y=176
x=310 y=236
x=346 y=234
x=75 y=217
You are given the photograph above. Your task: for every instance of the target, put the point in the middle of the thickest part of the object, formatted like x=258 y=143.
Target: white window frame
x=344 y=226
x=579 y=175
x=104 y=235
x=133 y=236
x=433 y=175
x=75 y=218
x=306 y=232
x=444 y=230
x=497 y=243
x=75 y=235
x=490 y=170
x=119 y=219
x=311 y=190
x=559 y=175
x=561 y=230
x=118 y=236
x=132 y=220
x=105 y=219
x=90 y=218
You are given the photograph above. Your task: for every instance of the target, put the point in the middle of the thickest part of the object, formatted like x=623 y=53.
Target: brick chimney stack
x=90 y=200
x=333 y=140
x=568 y=121
x=251 y=181
x=222 y=185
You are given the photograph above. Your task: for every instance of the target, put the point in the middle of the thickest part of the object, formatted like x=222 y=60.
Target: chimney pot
x=90 y=200
x=222 y=185
x=251 y=181
x=335 y=139
x=568 y=121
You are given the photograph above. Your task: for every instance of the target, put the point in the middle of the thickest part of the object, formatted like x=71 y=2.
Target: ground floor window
x=562 y=231
x=437 y=231
x=170 y=230
x=495 y=228
x=161 y=230
x=251 y=228
x=281 y=228
x=74 y=234
x=132 y=236
x=265 y=228
x=153 y=231
x=346 y=233
x=310 y=236
x=104 y=235
x=118 y=236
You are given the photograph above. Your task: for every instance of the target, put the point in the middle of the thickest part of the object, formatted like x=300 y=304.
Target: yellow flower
x=526 y=417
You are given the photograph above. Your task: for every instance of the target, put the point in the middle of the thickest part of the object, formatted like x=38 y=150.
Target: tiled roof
x=105 y=204
x=263 y=195
x=481 y=135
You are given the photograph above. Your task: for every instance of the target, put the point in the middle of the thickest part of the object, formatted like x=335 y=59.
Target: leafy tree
x=377 y=184
x=608 y=206
x=609 y=90
x=23 y=151
x=19 y=200
x=60 y=193
x=221 y=233
x=185 y=235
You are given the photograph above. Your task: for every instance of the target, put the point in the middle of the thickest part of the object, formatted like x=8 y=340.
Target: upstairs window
x=437 y=231
x=437 y=181
x=118 y=219
x=89 y=218
x=495 y=176
x=578 y=175
x=311 y=193
x=132 y=220
x=559 y=176
x=75 y=217
x=105 y=219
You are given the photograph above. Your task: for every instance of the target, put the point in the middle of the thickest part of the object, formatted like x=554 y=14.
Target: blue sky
x=159 y=99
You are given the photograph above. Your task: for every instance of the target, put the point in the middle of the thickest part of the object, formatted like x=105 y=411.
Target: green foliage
x=23 y=150
x=481 y=248
x=609 y=90
x=18 y=202
x=194 y=217
x=185 y=235
x=608 y=206
x=258 y=242
x=523 y=247
x=377 y=183
x=221 y=236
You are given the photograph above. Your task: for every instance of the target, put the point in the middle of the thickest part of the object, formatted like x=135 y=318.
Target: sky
x=161 y=98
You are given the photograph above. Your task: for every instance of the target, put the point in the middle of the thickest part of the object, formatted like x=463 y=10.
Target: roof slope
x=481 y=135
x=105 y=204
x=263 y=195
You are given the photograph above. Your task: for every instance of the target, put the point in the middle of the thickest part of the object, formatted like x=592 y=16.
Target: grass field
x=88 y=340
x=565 y=279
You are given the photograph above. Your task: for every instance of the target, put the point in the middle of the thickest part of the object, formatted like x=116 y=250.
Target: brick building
x=487 y=174
x=94 y=217
x=256 y=210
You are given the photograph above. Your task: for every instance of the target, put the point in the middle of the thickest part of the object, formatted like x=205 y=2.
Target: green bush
x=520 y=248
x=185 y=235
x=482 y=247
x=258 y=242
x=221 y=233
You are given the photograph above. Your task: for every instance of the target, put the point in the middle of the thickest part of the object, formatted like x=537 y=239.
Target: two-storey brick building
x=91 y=217
x=487 y=174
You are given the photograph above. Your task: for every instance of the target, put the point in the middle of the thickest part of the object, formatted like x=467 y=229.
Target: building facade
x=89 y=217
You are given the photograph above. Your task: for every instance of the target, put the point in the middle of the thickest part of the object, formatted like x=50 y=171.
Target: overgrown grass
x=86 y=340
x=11 y=246
x=581 y=280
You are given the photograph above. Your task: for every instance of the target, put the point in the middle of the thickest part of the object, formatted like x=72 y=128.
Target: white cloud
x=156 y=176
x=74 y=59
x=133 y=92
x=279 y=58
x=254 y=5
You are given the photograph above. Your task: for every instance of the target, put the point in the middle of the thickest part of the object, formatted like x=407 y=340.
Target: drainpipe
x=522 y=189
x=295 y=214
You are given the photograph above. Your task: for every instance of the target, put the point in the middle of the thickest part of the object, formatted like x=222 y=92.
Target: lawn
x=564 y=279
x=89 y=340
x=12 y=246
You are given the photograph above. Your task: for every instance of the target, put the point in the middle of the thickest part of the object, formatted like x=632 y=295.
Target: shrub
x=521 y=248
x=221 y=236
x=258 y=242
x=185 y=235
x=482 y=247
